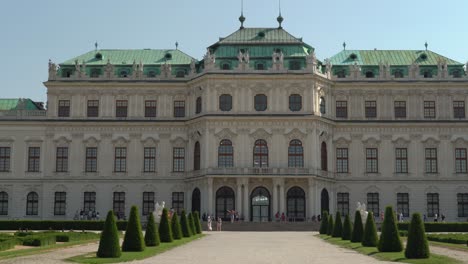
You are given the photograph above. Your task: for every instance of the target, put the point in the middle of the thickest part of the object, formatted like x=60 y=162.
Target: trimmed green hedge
x=449 y=238
x=9 y=244
x=72 y=236
x=57 y=225
x=39 y=240
x=439 y=227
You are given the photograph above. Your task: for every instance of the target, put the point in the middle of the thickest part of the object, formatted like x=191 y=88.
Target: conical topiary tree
x=165 y=230
x=347 y=229
x=109 y=246
x=151 y=234
x=389 y=238
x=324 y=223
x=192 y=224
x=358 y=229
x=330 y=225
x=176 y=229
x=416 y=245
x=370 y=232
x=133 y=240
x=196 y=218
x=186 y=232
x=338 y=228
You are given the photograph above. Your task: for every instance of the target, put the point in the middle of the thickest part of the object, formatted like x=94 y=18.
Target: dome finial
x=280 y=19
x=344 y=45
x=177 y=45
x=426 y=45
x=242 y=18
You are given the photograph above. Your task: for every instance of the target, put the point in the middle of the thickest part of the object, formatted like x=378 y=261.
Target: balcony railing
x=262 y=171
x=23 y=114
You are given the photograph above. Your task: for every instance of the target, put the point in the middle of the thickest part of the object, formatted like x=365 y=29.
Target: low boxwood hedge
x=39 y=240
x=439 y=227
x=56 y=225
x=9 y=244
x=72 y=236
x=449 y=238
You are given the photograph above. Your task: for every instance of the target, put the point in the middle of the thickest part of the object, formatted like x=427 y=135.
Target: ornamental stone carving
x=260 y=134
x=225 y=133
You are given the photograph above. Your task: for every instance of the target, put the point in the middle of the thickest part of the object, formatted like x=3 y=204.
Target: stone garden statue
x=362 y=210
x=158 y=211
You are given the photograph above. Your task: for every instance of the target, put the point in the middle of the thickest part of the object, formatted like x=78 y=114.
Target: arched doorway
x=196 y=201
x=260 y=205
x=324 y=201
x=296 y=204
x=224 y=202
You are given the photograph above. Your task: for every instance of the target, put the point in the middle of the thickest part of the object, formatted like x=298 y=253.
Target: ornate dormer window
x=95 y=73
x=260 y=66
x=340 y=74
x=427 y=74
x=180 y=73
x=370 y=74
x=66 y=73
x=294 y=65
x=151 y=74
x=398 y=73
x=225 y=66
x=456 y=74
x=123 y=73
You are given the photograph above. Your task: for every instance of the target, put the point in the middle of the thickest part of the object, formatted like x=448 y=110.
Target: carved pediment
x=401 y=142
x=371 y=142
x=342 y=141
x=431 y=142
x=178 y=142
x=225 y=133
x=432 y=189
x=296 y=134
x=402 y=189
x=260 y=134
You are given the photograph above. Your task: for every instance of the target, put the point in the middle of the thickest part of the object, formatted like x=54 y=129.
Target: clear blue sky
x=32 y=32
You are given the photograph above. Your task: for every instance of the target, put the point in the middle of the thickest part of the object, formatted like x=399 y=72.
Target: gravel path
x=456 y=254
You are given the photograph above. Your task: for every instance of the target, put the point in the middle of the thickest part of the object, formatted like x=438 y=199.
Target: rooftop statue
x=109 y=69
x=52 y=70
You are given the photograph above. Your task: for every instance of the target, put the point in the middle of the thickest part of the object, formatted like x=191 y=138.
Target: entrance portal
x=324 y=201
x=260 y=205
x=224 y=202
x=296 y=204
x=196 y=201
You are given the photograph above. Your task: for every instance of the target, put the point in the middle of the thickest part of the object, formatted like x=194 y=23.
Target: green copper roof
x=392 y=57
x=260 y=36
x=14 y=104
x=127 y=57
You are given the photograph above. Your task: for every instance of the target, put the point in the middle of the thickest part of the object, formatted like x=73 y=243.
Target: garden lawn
x=387 y=256
x=130 y=256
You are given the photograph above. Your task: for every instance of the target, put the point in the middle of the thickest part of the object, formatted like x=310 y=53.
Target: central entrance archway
x=296 y=204
x=196 y=200
x=324 y=199
x=260 y=205
x=224 y=202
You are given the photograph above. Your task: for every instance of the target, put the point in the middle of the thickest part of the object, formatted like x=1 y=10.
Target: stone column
x=239 y=196
x=282 y=201
x=311 y=196
x=210 y=196
x=275 y=198
x=246 y=201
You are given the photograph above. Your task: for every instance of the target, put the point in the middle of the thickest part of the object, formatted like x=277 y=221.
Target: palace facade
x=259 y=125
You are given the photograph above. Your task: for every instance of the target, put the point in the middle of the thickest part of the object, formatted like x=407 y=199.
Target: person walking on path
x=208 y=223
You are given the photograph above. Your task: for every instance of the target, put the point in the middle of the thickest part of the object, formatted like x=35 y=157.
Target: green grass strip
x=91 y=258
x=388 y=256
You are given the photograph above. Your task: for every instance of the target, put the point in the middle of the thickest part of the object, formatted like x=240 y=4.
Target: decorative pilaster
x=210 y=196
x=310 y=202
x=239 y=196
x=246 y=201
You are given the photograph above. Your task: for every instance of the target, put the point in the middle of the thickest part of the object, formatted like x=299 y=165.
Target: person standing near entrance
x=208 y=223
x=283 y=217
x=218 y=224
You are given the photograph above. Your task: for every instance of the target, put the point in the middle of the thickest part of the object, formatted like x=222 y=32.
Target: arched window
x=151 y=74
x=32 y=204
x=260 y=66
x=398 y=74
x=341 y=74
x=66 y=73
x=196 y=200
x=198 y=105
x=295 y=102
x=260 y=154
x=324 y=156
x=225 y=102
x=322 y=105
x=225 y=154
x=95 y=73
x=196 y=156
x=225 y=66
x=3 y=203
x=296 y=204
x=427 y=74
x=224 y=202
x=324 y=201
x=260 y=101
x=180 y=74
x=370 y=74
x=295 y=154
x=123 y=74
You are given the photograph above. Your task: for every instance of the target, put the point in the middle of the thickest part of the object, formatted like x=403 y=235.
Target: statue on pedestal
x=362 y=210
x=158 y=211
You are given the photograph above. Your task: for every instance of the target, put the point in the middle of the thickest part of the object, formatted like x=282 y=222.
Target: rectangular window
x=148 y=203
x=118 y=204
x=401 y=162
x=179 y=108
x=431 y=160
x=403 y=204
x=5 y=158
x=178 y=202
x=150 y=108
x=371 y=160
x=400 y=109
x=91 y=160
x=149 y=164
x=342 y=109
x=93 y=108
x=34 y=156
x=342 y=160
x=121 y=107
x=429 y=109
x=371 y=109
x=89 y=203
x=459 y=109
x=3 y=203
x=120 y=163
x=60 y=203
x=432 y=204
x=460 y=160
x=178 y=160
x=462 y=200
x=373 y=203
x=61 y=164
x=64 y=108
x=343 y=203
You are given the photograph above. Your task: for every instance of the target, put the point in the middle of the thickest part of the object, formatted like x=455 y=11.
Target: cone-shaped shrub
x=324 y=223
x=109 y=246
x=196 y=218
x=338 y=228
x=358 y=229
x=370 y=233
x=416 y=245
x=184 y=224
x=176 y=229
x=165 y=230
x=330 y=225
x=389 y=238
x=347 y=229
x=151 y=235
x=191 y=224
x=133 y=240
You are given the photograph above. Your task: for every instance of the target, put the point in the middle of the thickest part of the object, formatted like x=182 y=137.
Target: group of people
x=280 y=218
x=86 y=215
x=437 y=218
x=209 y=221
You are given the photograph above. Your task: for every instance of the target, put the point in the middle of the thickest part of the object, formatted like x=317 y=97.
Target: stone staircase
x=266 y=226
